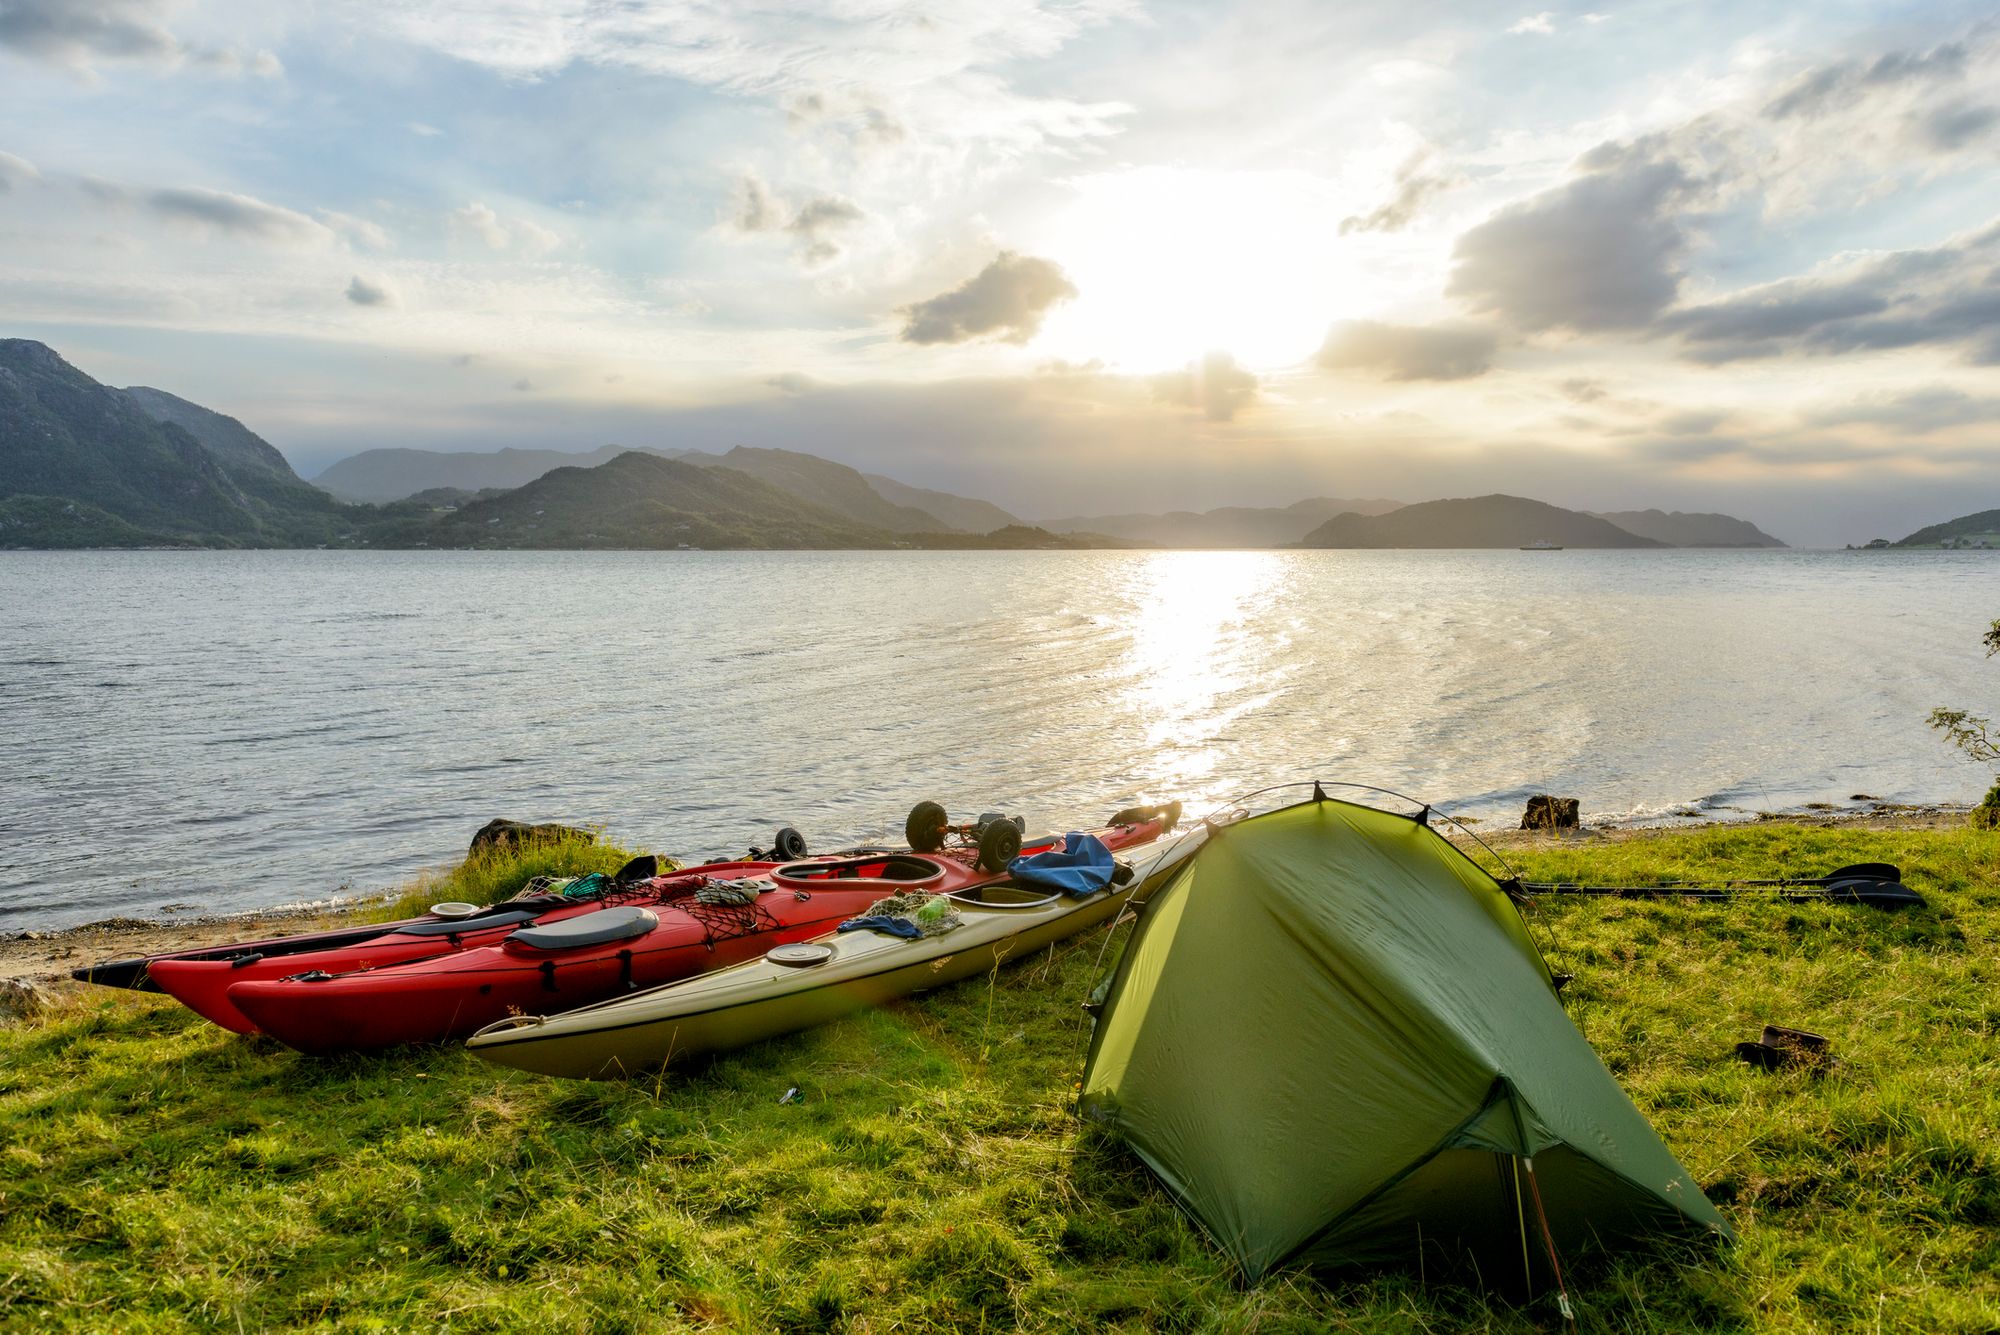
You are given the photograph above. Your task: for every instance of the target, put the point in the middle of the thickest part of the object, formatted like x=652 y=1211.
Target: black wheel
x=999 y=844
x=924 y=830
x=790 y=845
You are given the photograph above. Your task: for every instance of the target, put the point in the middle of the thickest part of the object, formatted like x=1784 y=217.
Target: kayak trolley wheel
x=999 y=844
x=790 y=845
x=924 y=830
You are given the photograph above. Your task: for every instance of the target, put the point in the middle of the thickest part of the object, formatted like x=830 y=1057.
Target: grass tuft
x=500 y=871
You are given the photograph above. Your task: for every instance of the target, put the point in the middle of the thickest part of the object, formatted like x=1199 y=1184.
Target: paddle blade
x=642 y=868
x=1864 y=871
x=1874 y=893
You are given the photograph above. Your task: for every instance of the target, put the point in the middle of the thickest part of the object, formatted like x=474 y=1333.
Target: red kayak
x=200 y=979
x=550 y=966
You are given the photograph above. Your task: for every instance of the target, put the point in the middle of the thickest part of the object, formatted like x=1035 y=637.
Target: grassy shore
x=159 y=1174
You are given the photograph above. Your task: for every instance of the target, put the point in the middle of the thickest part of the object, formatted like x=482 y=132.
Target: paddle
x=1859 y=871
x=1872 y=891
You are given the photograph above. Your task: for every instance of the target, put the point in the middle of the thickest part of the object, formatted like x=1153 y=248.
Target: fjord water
x=210 y=731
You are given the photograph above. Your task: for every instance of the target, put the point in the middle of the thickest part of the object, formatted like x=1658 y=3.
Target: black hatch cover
x=589 y=929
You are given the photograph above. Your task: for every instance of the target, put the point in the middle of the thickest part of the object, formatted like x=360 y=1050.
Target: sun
x=1173 y=262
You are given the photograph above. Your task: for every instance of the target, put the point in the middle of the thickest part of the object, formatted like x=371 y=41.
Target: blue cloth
x=1081 y=866
x=883 y=923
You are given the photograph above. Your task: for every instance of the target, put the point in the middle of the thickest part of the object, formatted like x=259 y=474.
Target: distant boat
x=1542 y=545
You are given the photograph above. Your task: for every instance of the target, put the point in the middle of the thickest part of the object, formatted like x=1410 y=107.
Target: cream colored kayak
x=836 y=974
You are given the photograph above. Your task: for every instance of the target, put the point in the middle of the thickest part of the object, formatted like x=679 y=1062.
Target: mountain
x=824 y=483
x=394 y=474
x=235 y=446
x=1481 y=521
x=399 y=474
x=1982 y=528
x=104 y=456
x=1678 y=529
x=641 y=500
x=1019 y=538
x=1227 y=527
x=960 y=512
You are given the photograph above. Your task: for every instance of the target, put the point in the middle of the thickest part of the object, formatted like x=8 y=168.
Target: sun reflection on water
x=1201 y=656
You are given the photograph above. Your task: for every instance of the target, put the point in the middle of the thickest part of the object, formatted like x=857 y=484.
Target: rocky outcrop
x=1552 y=813
x=497 y=834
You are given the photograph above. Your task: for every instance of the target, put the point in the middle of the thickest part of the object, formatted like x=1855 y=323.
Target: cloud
x=358 y=230
x=1409 y=352
x=208 y=211
x=1542 y=23
x=1914 y=412
x=759 y=210
x=1956 y=124
x=1414 y=188
x=867 y=125
x=816 y=224
x=1008 y=297
x=1942 y=295
x=73 y=33
x=478 y=222
x=364 y=293
x=1601 y=252
x=1841 y=85
x=16 y=171
x=939 y=61
x=792 y=382
x=1215 y=384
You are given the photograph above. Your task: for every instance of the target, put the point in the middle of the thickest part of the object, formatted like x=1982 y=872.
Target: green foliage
x=1969 y=733
x=157 y=1173
x=497 y=873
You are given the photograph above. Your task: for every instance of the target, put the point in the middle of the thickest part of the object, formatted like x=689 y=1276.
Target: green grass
x=159 y=1174
x=496 y=873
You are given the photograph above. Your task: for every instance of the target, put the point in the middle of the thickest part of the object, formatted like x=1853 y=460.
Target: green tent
x=1333 y=1039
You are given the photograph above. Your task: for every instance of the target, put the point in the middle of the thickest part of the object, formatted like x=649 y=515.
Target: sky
x=1072 y=256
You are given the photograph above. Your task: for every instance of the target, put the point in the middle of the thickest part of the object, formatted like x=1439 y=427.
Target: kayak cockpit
x=903 y=871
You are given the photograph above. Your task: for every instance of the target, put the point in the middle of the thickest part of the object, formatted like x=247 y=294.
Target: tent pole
x=1549 y=1240
x=1521 y=1218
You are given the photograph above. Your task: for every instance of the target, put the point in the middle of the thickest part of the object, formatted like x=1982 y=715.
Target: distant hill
x=453 y=497
x=104 y=454
x=959 y=512
x=1018 y=537
x=1970 y=530
x=1481 y=521
x=1230 y=526
x=826 y=484
x=640 y=500
x=385 y=475
x=393 y=474
x=1678 y=529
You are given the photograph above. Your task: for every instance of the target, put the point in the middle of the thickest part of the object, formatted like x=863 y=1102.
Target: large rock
x=495 y=834
x=1551 y=813
x=23 y=998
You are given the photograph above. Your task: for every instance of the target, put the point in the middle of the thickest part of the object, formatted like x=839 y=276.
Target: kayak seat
x=588 y=929
x=453 y=926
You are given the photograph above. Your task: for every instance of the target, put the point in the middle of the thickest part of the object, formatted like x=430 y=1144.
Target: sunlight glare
x=1197 y=661
x=1172 y=262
